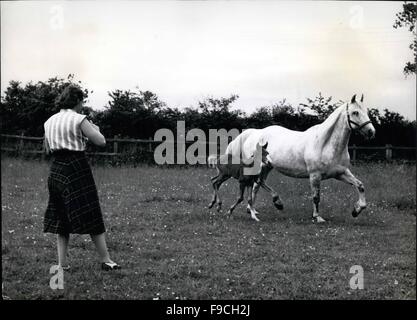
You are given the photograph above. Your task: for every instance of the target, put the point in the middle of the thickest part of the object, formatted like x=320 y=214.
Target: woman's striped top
x=63 y=131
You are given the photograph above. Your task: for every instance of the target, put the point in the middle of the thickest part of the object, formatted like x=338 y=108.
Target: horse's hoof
x=355 y=213
x=318 y=219
x=255 y=218
x=210 y=205
x=279 y=206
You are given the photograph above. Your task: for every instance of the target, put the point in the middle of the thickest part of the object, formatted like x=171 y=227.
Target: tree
x=138 y=114
x=210 y=104
x=261 y=118
x=407 y=19
x=24 y=109
x=131 y=114
x=321 y=106
x=217 y=113
x=374 y=116
x=391 y=128
x=283 y=113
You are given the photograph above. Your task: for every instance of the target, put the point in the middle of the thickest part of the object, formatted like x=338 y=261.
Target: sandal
x=66 y=268
x=107 y=266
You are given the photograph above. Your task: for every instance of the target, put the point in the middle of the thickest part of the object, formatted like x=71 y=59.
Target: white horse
x=320 y=152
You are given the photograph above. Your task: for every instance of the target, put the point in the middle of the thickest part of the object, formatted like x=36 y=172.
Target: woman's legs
x=62 y=244
x=101 y=246
x=98 y=239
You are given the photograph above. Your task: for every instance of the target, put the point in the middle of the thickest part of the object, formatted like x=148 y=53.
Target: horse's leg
x=315 y=188
x=250 y=204
x=275 y=197
x=213 y=181
x=348 y=177
x=250 y=197
x=239 y=199
x=262 y=183
x=217 y=185
x=262 y=176
x=254 y=191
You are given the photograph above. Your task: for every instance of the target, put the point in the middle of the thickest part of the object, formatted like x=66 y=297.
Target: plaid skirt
x=73 y=205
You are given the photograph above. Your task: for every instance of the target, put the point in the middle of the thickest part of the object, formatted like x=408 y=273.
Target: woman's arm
x=92 y=132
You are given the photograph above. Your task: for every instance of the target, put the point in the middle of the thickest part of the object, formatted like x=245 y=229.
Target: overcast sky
x=184 y=51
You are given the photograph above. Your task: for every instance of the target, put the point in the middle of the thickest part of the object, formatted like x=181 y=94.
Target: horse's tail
x=212 y=160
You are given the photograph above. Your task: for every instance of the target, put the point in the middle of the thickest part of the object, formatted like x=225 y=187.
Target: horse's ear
x=262 y=142
x=353 y=99
x=362 y=98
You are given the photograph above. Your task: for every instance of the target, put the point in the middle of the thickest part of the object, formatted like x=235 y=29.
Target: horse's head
x=263 y=145
x=266 y=158
x=261 y=154
x=358 y=119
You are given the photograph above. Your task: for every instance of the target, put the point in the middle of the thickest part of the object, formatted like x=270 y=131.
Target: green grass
x=172 y=247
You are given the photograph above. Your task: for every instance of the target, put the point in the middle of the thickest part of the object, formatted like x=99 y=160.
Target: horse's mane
x=333 y=117
x=328 y=126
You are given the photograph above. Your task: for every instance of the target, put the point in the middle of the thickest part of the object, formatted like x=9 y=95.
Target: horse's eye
x=355 y=113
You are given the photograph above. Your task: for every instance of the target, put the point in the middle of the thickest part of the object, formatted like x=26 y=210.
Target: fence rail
x=19 y=146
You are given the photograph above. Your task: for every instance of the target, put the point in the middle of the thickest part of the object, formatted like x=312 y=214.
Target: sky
x=185 y=51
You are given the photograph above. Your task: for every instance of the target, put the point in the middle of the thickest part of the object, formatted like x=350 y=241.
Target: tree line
x=138 y=114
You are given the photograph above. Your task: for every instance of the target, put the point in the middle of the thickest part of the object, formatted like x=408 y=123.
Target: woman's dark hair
x=70 y=97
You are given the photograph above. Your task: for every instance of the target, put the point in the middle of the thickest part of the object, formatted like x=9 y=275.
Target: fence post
x=388 y=152
x=354 y=154
x=21 y=143
x=150 y=145
x=115 y=145
x=5 y=141
x=43 y=156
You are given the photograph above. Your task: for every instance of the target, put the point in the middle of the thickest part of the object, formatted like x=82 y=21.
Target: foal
x=227 y=166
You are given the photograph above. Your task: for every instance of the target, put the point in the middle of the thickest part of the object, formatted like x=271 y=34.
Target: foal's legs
x=348 y=177
x=250 y=200
x=315 y=188
x=213 y=201
x=275 y=197
x=250 y=204
x=218 y=180
x=262 y=183
x=239 y=199
x=255 y=190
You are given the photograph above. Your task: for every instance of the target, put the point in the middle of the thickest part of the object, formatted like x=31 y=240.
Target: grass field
x=172 y=247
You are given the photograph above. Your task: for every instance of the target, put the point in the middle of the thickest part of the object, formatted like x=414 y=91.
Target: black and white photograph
x=208 y=155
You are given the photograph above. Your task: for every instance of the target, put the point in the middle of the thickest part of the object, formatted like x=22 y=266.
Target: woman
x=73 y=200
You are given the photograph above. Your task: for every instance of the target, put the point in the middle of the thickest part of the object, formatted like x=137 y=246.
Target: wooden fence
x=19 y=144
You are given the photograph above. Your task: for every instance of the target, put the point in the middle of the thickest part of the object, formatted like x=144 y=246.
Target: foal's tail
x=212 y=161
